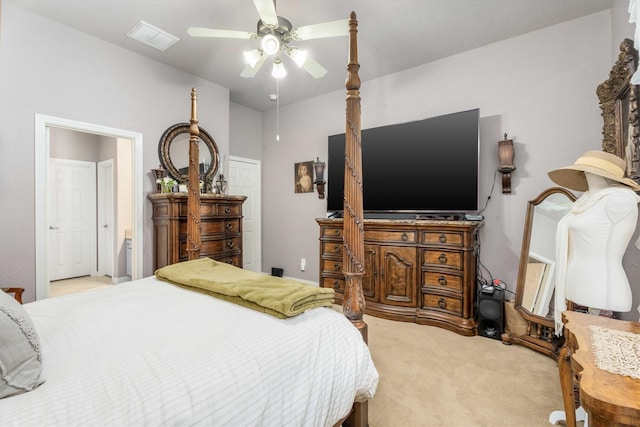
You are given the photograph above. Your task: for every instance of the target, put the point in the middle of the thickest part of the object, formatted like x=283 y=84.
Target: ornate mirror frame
x=540 y=329
x=164 y=149
x=619 y=105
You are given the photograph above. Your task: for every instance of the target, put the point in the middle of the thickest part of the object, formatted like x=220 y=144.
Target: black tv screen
x=426 y=166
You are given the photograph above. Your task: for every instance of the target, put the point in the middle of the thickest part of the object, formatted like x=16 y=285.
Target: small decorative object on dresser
x=421 y=271
x=221 y=184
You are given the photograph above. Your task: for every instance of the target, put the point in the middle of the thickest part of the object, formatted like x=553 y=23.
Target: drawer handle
x=229 y=226
x=227 y=209
x=443 y=238
x=442 y=303
x=336 y=249
x=230 y=244
x=442 y=280
x=404 y=237
x=336 y=285
x=229 y=261
x=336 y=232
x=442 y=258
x=336 y=266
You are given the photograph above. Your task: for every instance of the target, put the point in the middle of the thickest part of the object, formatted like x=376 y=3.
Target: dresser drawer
x=442 y=280
x=443 y=258
x=334 y=283
x=229 y=259
x=390 y=236
x=450 y=304
x=450 y=238
x=332 y=248
x=228 y=209
x=214 y=226
x=214 y=209
x=331 y=232
x=329 y=265
x=212 y=247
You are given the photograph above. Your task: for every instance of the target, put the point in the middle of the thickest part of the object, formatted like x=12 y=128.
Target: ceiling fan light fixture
x=278 y=71
x=252 y=57
x=270 y=44
x=299 y=56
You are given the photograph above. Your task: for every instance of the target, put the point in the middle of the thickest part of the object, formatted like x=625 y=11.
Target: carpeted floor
x=77 y=284
x=433 y=377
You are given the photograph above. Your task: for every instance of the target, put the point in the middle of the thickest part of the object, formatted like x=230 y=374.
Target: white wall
x=245 y=132
x=539 y=88
x=51 y=69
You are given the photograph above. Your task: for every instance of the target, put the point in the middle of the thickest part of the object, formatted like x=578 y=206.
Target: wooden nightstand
x=17 y=293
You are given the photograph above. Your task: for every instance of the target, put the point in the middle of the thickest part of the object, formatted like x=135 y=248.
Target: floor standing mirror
x=536 y=274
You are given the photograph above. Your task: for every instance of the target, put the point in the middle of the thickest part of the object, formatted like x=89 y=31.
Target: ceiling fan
x=276 y=34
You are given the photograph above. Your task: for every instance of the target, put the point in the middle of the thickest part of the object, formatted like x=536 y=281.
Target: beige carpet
x=77 y=284
x=433 y=377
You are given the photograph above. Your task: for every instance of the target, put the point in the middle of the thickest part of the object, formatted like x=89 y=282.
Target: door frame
x=42 y=151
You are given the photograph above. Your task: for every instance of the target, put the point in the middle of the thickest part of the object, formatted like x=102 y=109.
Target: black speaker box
x=277 y=272
x=491 y=314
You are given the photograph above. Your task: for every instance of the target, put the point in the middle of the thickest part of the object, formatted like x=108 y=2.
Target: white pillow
x=20 y=358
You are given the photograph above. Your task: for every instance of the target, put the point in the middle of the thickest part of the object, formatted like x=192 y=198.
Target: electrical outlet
x=303 y=264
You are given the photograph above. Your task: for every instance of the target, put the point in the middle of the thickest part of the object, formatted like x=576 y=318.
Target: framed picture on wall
x=303 y=177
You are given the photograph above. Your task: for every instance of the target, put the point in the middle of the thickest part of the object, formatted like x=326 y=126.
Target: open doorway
x=130 y=198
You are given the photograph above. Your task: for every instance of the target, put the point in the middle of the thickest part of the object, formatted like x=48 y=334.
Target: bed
x=158 y=351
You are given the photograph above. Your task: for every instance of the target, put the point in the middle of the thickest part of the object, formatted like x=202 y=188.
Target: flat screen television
x=427 y=166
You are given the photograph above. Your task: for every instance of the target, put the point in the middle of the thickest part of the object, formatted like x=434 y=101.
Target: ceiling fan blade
x=267 y=11
x=211 y=32
x=250 y=71
x=325 y=29
x=313 y=68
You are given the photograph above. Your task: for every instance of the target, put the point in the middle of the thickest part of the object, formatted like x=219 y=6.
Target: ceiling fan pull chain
x=277 y=109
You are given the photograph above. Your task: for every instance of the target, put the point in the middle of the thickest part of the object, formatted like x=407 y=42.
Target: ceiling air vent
x=152 y=36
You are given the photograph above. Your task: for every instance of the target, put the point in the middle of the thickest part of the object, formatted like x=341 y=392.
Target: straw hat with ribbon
x=600 y=163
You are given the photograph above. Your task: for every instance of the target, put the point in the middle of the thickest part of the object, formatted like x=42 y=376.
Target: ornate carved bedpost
x=193 y=184
x=353 y=226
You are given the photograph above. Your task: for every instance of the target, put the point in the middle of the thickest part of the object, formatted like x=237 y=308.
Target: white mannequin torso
x=600 y=226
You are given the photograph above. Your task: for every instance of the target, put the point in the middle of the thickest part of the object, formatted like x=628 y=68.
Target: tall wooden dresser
x=421 y=271
x=220 y=223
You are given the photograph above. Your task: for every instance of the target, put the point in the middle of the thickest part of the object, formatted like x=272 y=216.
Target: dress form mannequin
x=601 y=226
x=591 y=240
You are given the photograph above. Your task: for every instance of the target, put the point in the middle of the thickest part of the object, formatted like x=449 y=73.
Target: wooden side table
x=17 y=293
x=609 y=399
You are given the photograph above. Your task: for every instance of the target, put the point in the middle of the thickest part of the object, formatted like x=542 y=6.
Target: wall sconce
x=505 y=156
x=318 y=166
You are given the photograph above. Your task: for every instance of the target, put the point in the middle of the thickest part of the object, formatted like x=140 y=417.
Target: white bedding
x=146 y=353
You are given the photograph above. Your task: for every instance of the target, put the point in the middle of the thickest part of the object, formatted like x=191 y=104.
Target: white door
x=106 y=227
x=72 y=218
x=244 y=179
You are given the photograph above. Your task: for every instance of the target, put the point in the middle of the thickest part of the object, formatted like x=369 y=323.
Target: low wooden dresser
x=421 y=271
x=220 y=223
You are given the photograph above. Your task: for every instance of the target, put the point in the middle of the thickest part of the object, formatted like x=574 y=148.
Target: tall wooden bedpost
x=193 y=184
x=353 y=226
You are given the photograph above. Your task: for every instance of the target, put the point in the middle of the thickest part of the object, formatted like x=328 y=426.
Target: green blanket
x=272 y=295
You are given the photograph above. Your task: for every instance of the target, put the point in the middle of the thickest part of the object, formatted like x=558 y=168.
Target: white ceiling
x=393 y=35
